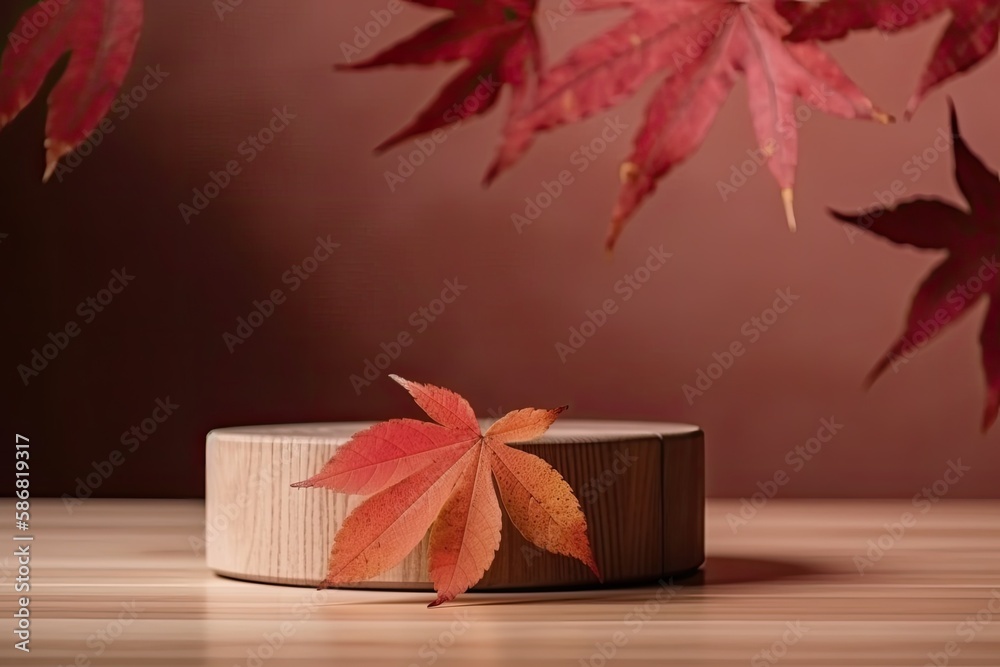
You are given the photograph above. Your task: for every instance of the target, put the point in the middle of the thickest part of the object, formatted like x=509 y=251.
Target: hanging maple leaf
x=699 y=47
x=496 y=37
x=968 y=272
x=439 y=476
x=969 y=38
x=102 y=36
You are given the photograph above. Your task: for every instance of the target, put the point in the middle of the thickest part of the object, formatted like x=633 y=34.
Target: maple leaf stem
x=788 y=199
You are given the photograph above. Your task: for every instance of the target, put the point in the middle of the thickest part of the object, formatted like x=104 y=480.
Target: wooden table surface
x=123 y=583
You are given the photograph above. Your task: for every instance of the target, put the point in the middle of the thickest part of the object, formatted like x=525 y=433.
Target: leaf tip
x=788 y=199
x=882 y=117
x=876 y=372
x=844 y=217
x=611 y=240
x=54 y=151
x=492 y=173
x=399 y=137
x=50 y=168
x=629 y=174
x=384 y=147
x=911 y=106
x=953 y=117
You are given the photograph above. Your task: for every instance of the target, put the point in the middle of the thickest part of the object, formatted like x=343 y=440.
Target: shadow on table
x=727 y=571
x=718 y=571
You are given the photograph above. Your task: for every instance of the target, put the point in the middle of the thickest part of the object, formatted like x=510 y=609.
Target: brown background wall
x=162 y=337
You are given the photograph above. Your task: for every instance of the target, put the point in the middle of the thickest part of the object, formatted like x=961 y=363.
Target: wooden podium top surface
x=562 y=431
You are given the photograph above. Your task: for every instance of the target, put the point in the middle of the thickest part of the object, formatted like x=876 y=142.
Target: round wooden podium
x=640 y=485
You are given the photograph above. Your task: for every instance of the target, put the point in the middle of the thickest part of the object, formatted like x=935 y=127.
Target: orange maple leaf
x=424 y=473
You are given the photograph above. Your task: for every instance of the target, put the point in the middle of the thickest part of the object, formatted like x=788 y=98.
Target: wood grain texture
x=641 y=487
x=123 y=583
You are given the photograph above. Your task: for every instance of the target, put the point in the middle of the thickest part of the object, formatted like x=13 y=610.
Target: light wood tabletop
x=123 y=583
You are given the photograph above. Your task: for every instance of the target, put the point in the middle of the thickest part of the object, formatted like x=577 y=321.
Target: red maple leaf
x=497 y=39
x=440 y=476
x=969 y=38
x=102 y=36
x=967 y=274
x=698 y=48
